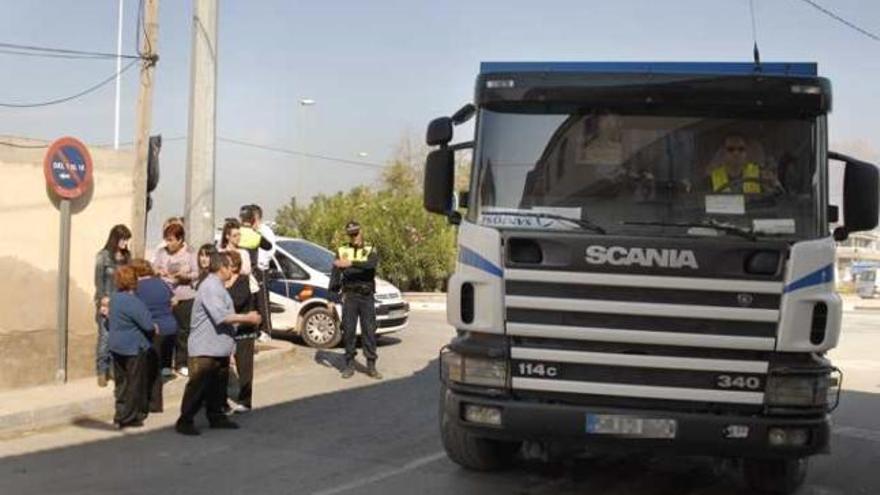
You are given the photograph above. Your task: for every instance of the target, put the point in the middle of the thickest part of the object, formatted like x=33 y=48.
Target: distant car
x=302 y=304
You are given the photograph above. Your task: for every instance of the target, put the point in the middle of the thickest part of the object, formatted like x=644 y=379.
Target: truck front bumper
x=695 y=434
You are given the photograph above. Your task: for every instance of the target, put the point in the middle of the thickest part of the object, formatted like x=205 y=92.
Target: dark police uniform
x=358 y=286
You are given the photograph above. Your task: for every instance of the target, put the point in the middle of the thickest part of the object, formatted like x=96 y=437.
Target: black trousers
x=183 y=314
x=131 y=387
x=164 y=345
x=263 y=301
x=244 y=370
x=154 y=374
x=244 y=366
x=356 y=306
x=205 y=387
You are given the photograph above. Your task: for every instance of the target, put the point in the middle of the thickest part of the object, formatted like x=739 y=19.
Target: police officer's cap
x=352 y=228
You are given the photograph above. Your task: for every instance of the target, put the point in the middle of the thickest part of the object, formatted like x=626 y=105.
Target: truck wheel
x=470 y=452
x=319 y=329
x=775 y=476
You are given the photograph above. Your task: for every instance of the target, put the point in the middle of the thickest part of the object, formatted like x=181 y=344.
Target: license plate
x=397 y=314
x=631 y=426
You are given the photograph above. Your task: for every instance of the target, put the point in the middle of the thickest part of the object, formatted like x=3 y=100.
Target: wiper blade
x=582 y=223
x=729 y=229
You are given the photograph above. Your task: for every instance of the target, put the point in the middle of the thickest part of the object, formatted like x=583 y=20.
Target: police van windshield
x=647 y=175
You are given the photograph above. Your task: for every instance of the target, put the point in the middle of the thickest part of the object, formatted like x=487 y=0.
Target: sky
x=380 y=70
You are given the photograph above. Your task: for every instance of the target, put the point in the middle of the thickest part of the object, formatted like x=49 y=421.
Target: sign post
x=67 y=167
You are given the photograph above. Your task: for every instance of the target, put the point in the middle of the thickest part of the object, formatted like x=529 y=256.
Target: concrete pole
x=149 y=48
x=118 y=75
x=200 y=157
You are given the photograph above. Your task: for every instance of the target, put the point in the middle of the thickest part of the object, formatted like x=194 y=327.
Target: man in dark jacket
x=355 y=265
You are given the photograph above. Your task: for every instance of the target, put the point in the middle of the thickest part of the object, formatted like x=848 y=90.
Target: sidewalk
x=852 y=302
x=427 y=301
x=54 y=405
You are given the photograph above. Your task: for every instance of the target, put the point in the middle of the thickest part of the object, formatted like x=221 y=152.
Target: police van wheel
x=470 y=452
x=775 y=476
x=320 y=329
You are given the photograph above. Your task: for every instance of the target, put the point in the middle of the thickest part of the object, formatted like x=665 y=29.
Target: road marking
x=858 y=433
x=383 y=475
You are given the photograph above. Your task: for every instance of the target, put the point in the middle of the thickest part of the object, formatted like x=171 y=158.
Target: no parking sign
x=68 y=168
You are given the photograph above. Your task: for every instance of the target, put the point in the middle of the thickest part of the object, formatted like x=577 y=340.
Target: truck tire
x=320 y=329
x=471 y=452
x=775 y=476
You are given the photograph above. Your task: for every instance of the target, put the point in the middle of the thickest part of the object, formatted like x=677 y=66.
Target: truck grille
x=676 y=340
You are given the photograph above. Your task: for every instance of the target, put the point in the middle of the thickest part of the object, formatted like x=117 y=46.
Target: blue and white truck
x=645 y=262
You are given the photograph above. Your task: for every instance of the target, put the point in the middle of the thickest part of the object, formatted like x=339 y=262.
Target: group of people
x=196 y=312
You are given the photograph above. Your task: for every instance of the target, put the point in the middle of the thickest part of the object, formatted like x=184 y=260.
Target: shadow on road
x=383 y=438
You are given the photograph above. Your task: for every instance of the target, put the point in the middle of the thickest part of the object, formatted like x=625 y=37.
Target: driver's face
x=735 y=151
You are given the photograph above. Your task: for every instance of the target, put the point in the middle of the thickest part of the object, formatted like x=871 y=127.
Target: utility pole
x=200 y=156
x=142 y=128
x=118 y=74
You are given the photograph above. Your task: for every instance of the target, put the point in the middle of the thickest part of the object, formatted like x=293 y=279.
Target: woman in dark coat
x=130 y=341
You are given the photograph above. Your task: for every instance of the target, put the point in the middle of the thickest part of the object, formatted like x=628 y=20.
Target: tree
x=417 y=249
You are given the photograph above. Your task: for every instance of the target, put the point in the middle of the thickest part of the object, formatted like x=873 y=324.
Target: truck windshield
x=645 y=175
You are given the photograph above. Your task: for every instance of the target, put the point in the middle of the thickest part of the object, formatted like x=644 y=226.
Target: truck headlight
x=797 y=390
x=470 y=370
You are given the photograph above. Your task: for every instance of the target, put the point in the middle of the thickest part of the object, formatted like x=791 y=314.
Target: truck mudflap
x=675 y=431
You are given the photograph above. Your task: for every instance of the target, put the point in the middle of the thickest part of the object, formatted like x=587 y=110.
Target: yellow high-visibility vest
x=355 y=255
x=250 y=238
x=751 y=183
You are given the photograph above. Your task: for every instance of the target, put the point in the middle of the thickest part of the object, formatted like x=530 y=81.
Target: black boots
x=372 y=372
x=348 y=370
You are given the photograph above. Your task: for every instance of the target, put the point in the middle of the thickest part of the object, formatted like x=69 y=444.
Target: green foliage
x=417 y=249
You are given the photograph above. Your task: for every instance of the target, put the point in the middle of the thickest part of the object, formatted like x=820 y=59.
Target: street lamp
x=363 y=154
x=306 y=102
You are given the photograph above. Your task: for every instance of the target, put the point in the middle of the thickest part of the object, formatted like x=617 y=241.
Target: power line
x=230 y=141
x=837 y=18
x=44 y=51
x=84 y=92
x=299 y=153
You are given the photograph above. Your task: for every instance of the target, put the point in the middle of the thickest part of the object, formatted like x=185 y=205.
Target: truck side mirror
x=439 y=179
x=439 y=132
x=861 y=196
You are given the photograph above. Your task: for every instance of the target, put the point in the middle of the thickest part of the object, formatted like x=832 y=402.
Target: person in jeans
x=211 y=342
x=130 y=337
x=176 y=264
x=153 y=291
x=114 y=254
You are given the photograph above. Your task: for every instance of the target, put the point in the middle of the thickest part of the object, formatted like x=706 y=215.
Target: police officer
x=355 y=265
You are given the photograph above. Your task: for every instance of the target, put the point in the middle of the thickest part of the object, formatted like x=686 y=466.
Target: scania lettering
x=618 y=255
x=646 y=262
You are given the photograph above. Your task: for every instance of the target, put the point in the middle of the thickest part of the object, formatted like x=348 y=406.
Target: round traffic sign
x=68 y=168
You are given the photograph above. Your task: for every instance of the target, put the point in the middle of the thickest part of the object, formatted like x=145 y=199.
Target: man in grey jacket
x=211 y=342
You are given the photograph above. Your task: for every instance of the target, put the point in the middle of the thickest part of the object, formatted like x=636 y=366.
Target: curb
x=101 y=407
x=425 y=297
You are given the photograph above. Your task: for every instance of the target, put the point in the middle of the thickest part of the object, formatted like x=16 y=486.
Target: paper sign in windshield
x=774 y=225
x=726 y=204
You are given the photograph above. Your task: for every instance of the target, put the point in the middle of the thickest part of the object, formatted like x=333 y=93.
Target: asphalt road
x=312 y=433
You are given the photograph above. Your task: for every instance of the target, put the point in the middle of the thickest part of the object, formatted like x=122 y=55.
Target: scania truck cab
x=646 y=261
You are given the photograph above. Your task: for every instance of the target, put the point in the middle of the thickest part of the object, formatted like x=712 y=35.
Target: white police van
x=302 y=304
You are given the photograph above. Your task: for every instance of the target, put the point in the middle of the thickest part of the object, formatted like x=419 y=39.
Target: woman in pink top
x=177 y=265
